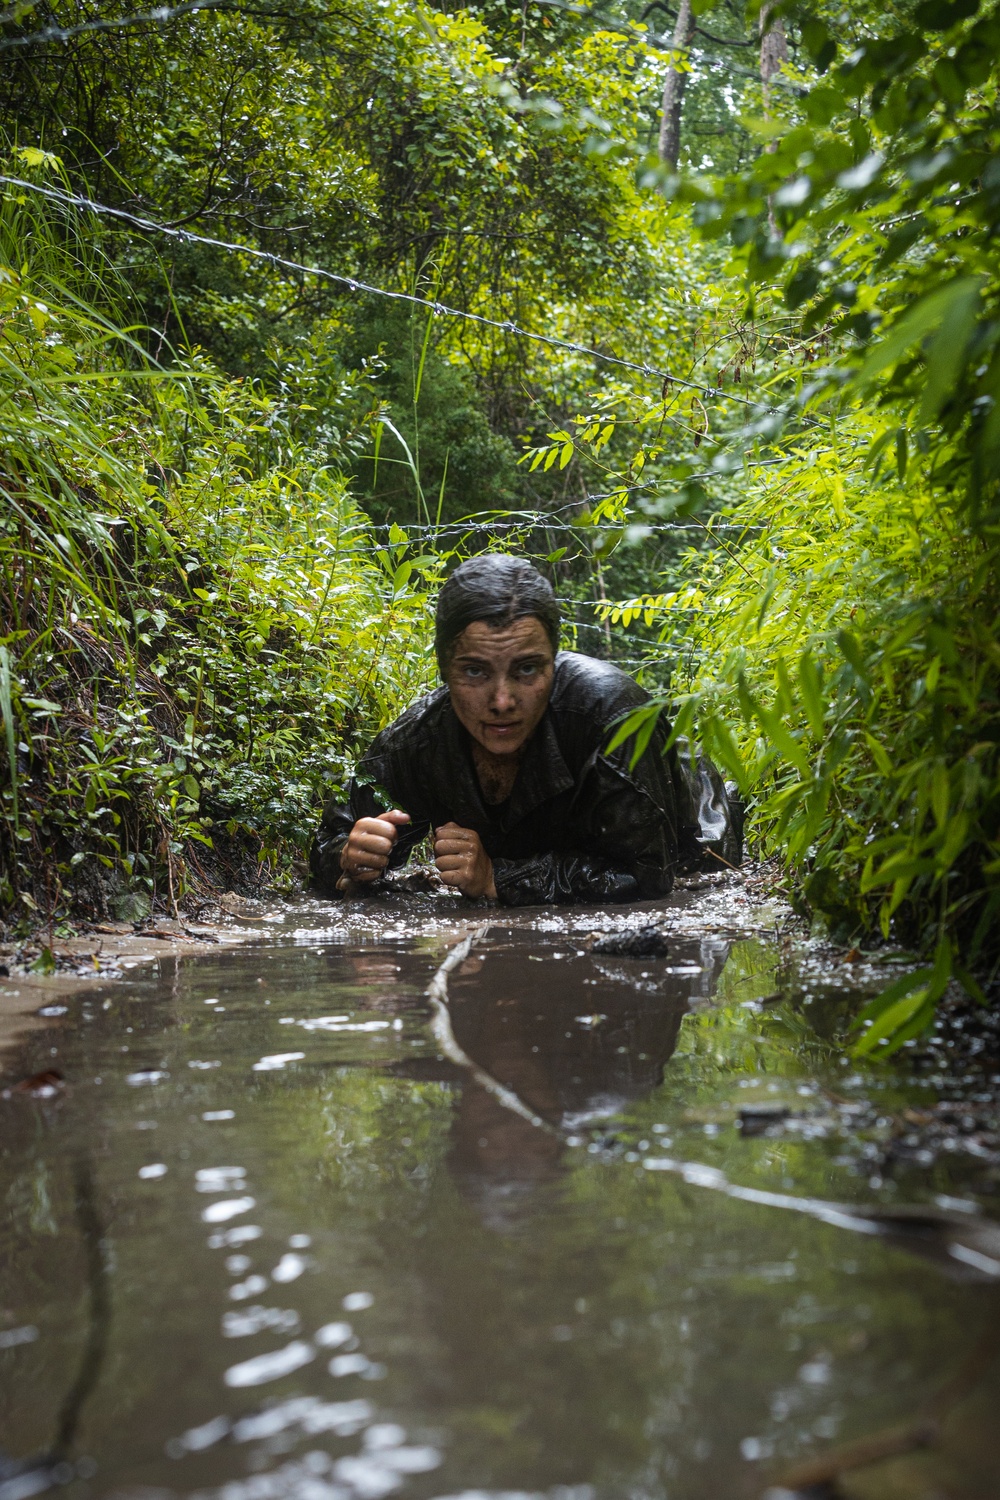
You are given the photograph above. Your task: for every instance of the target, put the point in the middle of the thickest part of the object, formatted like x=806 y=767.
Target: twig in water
x=923 y=1432
x=437 y=994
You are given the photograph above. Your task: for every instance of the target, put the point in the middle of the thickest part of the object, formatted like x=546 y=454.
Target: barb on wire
x=353 y=284
x=66 y=33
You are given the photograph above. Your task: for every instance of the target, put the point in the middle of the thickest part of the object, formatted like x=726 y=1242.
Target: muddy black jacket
x=579 y=825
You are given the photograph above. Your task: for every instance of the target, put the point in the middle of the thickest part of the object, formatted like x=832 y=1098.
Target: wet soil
x=39 y=972
x=659 y=1235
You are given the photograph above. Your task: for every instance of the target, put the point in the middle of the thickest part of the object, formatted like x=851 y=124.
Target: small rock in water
x=756 y=1119
x=240 y=906
x=44 y=1085
x=640 y=942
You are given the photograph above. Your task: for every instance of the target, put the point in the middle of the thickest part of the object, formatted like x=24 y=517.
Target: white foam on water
x=332 y=1335
x=349 y=1364
x=252 y=1287
x=11 y=1337
x=238 y=1236
x=219 y=1179
x=241 y=1325
x=343 y=1418
x=289 y=1267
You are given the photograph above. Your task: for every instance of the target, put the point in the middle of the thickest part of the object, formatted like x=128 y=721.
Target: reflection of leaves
x=749 y=973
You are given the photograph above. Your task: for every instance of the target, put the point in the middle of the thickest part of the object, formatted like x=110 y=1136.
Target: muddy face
x=500 y=681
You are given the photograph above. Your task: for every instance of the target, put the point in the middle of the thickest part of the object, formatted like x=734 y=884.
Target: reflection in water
x=574 y=1069
x=351 y=1274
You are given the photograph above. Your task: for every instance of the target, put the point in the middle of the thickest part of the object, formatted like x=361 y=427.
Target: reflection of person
x=575 y=1072
x=507 y=764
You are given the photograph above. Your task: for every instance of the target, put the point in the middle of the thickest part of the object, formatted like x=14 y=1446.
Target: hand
x=369 y=844
x=463 y=862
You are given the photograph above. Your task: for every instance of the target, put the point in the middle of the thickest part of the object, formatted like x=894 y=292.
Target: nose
x=502 y=699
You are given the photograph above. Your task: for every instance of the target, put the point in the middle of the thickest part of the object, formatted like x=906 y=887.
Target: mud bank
x=37 y=975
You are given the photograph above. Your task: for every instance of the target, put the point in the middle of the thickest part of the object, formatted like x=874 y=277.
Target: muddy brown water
x=266 y=1241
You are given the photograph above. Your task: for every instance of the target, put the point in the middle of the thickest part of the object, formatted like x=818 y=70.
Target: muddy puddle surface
x=262 y=1237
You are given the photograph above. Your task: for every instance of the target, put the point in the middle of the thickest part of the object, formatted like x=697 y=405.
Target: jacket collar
x=542 y=774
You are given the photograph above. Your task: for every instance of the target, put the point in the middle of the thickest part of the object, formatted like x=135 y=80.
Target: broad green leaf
x=929 y=313
x=891 y=1020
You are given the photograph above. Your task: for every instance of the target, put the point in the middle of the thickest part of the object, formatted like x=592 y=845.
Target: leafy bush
x=196 y=621
x=843 y=658
x=843 y=666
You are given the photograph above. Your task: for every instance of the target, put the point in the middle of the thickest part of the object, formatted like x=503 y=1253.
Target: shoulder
x=417 y=725
x=596 y=690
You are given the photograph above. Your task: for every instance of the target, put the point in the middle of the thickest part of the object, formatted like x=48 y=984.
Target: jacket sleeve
x=626 y=822
x=551 y=878
x=335 y=826
x=711 y=813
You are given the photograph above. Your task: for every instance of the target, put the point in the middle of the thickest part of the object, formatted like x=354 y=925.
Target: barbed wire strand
x=120 y=23
x=354 y=284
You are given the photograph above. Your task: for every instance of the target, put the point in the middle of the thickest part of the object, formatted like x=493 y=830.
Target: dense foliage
x=789 y=528
x=852 y=643
x=196 y=614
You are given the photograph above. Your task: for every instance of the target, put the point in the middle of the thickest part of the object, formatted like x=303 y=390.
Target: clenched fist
x=369 y=844
x=463 y=862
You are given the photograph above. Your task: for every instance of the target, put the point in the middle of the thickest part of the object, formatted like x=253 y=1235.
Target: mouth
x=503 y=731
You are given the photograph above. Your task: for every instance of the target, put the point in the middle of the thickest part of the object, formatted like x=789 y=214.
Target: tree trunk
x=674 y=88
x=773 y=48
x=773 y=56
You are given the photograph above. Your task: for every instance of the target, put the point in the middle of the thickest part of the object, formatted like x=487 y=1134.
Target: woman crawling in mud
x=507 y=763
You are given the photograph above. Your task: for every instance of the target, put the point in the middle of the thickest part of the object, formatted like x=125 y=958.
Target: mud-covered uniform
x=579 y=824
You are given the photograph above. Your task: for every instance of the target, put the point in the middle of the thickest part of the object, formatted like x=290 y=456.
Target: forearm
x=327 y=855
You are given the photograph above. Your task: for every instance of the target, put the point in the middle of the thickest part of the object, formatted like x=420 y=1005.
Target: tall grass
x=843 y=662
x=196 y=621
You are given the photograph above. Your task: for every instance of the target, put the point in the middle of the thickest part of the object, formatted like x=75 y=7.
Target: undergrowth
x=840 y=659
x=196 y=621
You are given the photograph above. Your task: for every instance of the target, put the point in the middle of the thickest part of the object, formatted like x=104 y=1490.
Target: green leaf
x=721 y=742
x=787 y=746
x=823 y=104
x=851 y=651
x=904 y=985
x=927 y=315
x=970 y=985
x=45 y=963
x=947 y=354
x=811 y=690
x=649 y=713
x=892 y=1019
x=941 y=15
x=820 y=44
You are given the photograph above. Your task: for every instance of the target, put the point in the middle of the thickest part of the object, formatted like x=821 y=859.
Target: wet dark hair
x=495 y=588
